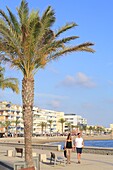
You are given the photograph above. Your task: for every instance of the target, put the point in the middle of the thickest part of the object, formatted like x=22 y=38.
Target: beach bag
x=65 y=153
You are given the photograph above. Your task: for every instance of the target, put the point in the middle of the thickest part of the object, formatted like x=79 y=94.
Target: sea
x=94 y=143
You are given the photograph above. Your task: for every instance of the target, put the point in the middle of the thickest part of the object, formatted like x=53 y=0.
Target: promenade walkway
x=88 y=161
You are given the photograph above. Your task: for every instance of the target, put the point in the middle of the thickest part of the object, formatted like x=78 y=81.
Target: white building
x=74 y=120
x=13 y=114
x=44 y=116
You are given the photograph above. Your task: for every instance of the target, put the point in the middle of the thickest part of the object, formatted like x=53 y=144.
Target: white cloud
x=54 y=103
x=80 y=79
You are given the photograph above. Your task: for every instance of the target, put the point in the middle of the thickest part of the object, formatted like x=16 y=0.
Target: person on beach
x=79 y=144
x=68 y=147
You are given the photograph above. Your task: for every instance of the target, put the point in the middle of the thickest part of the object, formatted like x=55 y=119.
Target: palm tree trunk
x=62 y=129
x=16 y=130
x=6 y=132
x=28 y=99
x=50 y=129
x=42 y=131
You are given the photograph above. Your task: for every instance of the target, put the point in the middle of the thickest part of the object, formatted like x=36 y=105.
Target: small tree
x=50 y=124
x=84 y=128
x=45 y=126
x=16 y=122
x=69 y=126
x=42 y=124
x=6 y=125
x=90 y=128
x=62 y=121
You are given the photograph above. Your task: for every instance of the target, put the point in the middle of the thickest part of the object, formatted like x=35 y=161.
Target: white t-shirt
x=79 y=142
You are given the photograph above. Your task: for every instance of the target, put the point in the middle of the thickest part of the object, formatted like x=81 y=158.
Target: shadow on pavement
x=6 y=166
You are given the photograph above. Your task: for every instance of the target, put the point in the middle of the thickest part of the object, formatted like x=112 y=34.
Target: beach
x=45 y=139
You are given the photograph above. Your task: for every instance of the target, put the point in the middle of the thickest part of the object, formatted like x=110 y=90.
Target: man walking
x=79 y=143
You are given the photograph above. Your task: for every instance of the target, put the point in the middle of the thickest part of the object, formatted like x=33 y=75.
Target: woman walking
x=68 y=147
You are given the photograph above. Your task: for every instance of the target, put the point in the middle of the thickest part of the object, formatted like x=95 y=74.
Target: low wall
x=98 y=150
x=35 y=146
x=94 y=150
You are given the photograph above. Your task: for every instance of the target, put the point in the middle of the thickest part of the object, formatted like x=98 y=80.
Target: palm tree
x=50 y=123
x=68 y=125
x=42 y=124
x=6 y=125
x=90 y=128
x=29 y=44
x=45 y=126
x=16 y=122
x=11 y=83
x=62 y=121
x=73 y=126
x=84 y=128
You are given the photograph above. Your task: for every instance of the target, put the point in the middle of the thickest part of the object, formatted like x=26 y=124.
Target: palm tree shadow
x=5 y=165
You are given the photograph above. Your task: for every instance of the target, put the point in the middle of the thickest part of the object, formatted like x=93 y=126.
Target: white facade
x=43 y=115
x=75 y=120
x=13 y=112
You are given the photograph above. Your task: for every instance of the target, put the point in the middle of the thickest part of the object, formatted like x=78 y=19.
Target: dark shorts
x=79 y=150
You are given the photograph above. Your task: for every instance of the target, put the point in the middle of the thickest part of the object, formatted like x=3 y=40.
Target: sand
x=43 y=140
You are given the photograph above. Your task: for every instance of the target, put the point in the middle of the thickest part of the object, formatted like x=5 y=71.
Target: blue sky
x=80 y=83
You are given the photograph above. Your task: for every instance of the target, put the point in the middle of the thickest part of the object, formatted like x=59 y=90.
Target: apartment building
x=41 y=116
x=11 y=118
x=12 y=114
x=41 y=120
x=74 y=120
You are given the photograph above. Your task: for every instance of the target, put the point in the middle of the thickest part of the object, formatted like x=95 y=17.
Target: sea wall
x=98 y=150
x=93 y=150
x=35 y=146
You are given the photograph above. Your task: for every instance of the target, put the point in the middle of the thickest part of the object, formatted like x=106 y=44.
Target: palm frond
x=51 y=46
x=5 y=18
x=9 y=37
x=65 y=28
x=8 y=82
x=14 y=21
x=46 y=22
x=23 y=12
x=81 y=47
x=48 y=17
x=67 y=39
x=34 y=22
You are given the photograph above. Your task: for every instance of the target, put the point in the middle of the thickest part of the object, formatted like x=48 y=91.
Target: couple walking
x=78 y=143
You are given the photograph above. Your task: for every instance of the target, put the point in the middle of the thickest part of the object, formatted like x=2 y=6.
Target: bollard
x=59 y=147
